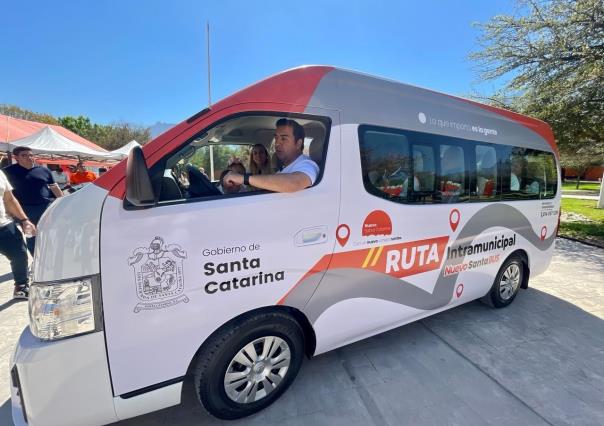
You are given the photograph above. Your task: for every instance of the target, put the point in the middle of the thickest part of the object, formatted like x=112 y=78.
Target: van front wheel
x=506 y=284
x=246 y=367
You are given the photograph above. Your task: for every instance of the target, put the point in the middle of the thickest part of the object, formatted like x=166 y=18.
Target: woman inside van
x=260 y=163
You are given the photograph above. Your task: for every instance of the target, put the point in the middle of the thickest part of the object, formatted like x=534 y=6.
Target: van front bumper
x=61 y=383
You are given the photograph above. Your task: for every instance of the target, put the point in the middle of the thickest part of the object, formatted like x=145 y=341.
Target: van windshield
x=214 y=159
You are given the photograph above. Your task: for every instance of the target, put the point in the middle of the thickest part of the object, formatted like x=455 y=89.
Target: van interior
x=194 y=171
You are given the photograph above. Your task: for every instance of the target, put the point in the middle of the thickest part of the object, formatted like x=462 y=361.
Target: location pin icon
x=459 y=290
x=454 y=218
x=543 y=232
x=342 y=234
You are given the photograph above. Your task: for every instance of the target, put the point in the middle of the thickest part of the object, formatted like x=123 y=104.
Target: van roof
x=360 y=99
x=363 y=98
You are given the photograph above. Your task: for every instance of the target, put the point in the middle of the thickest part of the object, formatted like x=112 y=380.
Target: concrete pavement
x=582 y=197
x=539 y=361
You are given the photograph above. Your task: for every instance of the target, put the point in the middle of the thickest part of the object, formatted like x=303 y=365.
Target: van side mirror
x=139 y=190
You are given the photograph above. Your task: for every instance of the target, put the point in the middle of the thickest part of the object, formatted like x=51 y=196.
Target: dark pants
x=34 y=212
x=13 y=247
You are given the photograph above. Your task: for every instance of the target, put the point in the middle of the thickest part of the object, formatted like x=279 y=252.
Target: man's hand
x=232 y=179
x=56 y=190
x=29 y=229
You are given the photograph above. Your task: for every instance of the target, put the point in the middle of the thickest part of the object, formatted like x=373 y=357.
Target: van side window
x=533 y=175
x=486 y=173
x=548 y=172
x=406 y=166
x=385 y=163
x=452 y=184
x=241 y=144
x=519 y=183
x=424 y=169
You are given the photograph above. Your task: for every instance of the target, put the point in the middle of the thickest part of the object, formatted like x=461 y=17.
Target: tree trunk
x=601 y=200
x=578 y=180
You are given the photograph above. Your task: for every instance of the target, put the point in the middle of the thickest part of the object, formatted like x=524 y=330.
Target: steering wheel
x=199 y=184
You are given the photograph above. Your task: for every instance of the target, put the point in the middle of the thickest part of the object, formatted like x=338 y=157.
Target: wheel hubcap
x=510 y=280
x=257 y=369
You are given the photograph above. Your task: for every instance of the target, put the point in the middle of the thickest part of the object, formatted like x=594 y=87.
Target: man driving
x=298 y=172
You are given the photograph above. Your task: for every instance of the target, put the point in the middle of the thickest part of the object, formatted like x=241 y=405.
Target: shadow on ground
x=538 y=361
x=8 y=276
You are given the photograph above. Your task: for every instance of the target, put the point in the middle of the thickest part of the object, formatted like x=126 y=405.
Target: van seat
x=169 y=188
x=315 y=149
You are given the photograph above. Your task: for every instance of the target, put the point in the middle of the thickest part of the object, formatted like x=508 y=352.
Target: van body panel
x=54 y=398
x=67 y=243
x=209 y=243
x=157 y=399
x=421 y=236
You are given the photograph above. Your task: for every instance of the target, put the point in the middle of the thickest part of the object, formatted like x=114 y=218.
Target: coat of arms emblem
x=158 y=273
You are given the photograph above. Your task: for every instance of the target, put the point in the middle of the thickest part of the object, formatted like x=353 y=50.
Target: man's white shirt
x=304 y=165
x=4 y=186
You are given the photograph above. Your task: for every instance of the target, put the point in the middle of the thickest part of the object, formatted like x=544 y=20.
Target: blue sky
x=145 y=61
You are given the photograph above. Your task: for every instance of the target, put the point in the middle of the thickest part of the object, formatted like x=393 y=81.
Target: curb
x=588 y=243
x=582 y=193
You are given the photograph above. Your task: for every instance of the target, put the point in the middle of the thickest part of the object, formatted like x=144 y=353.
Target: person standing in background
x=11 y=239
x=60 y=178
x=33 y=186
x=81 y=175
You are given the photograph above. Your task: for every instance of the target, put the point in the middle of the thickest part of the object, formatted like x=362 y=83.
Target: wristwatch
x=16 y=219
x=246 y=178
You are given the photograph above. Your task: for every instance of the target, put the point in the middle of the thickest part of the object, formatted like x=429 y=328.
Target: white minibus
x=157 y=274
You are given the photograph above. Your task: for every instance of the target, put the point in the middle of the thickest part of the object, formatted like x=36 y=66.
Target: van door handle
x=310 y=236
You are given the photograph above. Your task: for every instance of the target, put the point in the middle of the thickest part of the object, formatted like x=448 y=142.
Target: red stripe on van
x=409 y=259
x=288 y=92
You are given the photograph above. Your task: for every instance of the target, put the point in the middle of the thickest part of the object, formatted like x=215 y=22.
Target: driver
x=299 y=170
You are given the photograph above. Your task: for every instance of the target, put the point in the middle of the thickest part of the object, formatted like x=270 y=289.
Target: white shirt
x=304 y=165
x=514 y=183
x=4 y=186
x=60 y=178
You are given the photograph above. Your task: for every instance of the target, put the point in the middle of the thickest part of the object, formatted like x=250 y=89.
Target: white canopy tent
x=120 y=153
x=50 y=143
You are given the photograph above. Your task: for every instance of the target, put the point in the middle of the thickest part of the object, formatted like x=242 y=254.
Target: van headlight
x=63 y=309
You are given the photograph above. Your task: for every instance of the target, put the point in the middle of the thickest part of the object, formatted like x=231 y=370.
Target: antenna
x=208 y=52
x=209 y=96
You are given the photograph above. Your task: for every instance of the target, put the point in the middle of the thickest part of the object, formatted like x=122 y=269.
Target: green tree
x=553 y=53
x=23 y=114
x=110 y=137
x=116 y=135
x=80 y=125
x=582 y=160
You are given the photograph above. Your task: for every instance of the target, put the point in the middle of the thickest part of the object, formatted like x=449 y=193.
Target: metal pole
x=601 y=200
x=208 y=53
x=211 y=163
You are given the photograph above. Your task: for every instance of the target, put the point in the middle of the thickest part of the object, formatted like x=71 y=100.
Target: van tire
x=275 y=332
x=507 y=283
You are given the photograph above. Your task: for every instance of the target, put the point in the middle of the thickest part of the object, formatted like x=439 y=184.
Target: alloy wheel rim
x=510 y=281
x=257 y=369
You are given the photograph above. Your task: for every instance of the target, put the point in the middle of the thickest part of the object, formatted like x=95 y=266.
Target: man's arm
x=56 y=190
x=281 y=182
x=15 y=210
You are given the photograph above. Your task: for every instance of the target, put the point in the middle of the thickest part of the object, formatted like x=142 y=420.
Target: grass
x=583 y=186
x=590 y=231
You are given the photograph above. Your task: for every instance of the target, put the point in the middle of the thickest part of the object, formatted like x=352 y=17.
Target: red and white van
x=424 y=201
